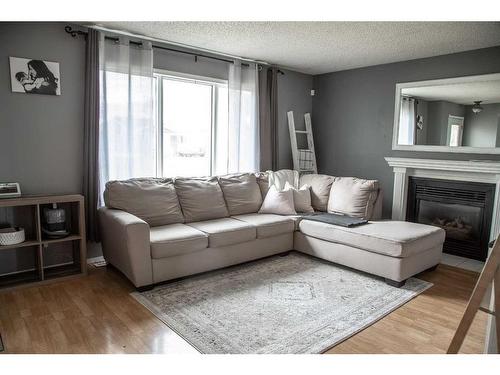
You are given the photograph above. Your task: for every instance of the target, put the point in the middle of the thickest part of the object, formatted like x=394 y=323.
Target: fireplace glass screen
x=459 y=221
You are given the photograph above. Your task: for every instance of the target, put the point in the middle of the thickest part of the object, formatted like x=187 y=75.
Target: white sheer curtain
x=407 y=123
x=243 y=132
x=127 y=143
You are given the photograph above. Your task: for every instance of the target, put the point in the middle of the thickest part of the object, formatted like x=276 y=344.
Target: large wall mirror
x=448 y=115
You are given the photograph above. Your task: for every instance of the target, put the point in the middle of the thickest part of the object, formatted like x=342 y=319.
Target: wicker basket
x=11 y=236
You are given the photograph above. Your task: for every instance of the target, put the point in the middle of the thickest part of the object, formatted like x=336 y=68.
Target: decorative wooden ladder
x=304 y=160
x=490 y=274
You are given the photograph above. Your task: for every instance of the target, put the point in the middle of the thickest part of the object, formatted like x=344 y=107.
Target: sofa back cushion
x=154 y=200
x=301 y=198
x=320 y=189
x=200 y=198
x=279 y=178
x=353 y=196
x=242 y=193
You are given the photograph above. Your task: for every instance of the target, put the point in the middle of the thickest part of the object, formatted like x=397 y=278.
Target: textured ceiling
x=322 y=47
x=460 y=93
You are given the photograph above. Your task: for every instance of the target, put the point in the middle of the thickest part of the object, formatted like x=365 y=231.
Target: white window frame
x=159 y=74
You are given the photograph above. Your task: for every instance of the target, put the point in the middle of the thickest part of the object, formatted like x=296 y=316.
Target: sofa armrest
x=377 y=206
x=126 y=244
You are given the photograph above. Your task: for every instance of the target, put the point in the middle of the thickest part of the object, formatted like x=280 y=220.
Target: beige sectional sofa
x=154 y=230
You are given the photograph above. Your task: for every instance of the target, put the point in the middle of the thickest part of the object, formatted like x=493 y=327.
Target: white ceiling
x=322 y=47
x=461 y=93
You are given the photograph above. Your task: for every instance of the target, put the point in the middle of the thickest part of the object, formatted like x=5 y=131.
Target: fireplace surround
x=463 y=209
x=449 y=170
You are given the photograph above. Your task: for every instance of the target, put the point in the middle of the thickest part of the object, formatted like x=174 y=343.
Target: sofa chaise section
x=394 y=250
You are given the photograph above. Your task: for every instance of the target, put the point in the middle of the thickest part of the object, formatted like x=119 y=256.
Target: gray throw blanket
x=335 y=219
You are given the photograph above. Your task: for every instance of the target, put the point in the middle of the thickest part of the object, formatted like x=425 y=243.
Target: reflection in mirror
x=452 y=114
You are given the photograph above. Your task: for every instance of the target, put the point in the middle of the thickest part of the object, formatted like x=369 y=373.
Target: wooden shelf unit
x=29 y=216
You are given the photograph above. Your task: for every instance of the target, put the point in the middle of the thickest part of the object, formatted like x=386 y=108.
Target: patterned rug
x=281 y=304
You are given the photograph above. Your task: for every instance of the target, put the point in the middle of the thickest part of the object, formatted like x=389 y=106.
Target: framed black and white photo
x=33 y=76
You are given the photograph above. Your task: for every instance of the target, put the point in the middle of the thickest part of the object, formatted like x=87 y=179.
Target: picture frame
x=34 y=76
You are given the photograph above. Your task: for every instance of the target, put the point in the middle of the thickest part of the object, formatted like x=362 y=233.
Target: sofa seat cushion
x=268 y=225
x=393 y=238
x=226 y=231
x=175 y=239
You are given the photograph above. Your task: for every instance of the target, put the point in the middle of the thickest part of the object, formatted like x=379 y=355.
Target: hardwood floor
x=95 y=314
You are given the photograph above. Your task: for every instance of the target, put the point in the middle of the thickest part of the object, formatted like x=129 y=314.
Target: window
x=455 y=130
x=192 y=120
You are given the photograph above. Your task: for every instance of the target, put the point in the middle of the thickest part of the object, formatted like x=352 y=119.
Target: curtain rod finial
x=74 y=33
x=70 y=31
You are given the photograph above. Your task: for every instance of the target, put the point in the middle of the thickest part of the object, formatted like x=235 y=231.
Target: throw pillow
x=301 y=198
x=278 y=202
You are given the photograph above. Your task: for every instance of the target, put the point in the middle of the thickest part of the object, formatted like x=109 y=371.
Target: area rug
x=282 y=304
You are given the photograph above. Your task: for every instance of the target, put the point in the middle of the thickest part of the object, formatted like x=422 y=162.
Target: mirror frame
x=432 y=148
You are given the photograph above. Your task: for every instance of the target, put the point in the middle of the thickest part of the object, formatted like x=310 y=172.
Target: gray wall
x=438 y=113
x=294 y=94
x=481 y=129
x=353 y=113
x=41 y=135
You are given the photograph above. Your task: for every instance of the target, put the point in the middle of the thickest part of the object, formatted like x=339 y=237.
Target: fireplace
x=462 y=209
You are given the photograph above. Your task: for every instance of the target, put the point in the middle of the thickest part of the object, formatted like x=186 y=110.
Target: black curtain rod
x=75 y=33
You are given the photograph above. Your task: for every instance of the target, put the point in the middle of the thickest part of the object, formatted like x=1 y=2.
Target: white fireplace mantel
x=467 y=170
